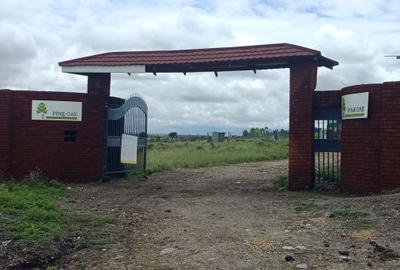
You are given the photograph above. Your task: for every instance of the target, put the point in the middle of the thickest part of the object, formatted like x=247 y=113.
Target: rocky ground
x=232 y=218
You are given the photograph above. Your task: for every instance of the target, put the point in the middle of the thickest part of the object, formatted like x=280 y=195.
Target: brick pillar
x=98 y=90
x=303 y=79
x=99 y=84
x=5 y=109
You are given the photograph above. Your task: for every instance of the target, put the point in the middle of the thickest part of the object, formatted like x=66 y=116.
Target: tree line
x=265 y=132
x=248 y=133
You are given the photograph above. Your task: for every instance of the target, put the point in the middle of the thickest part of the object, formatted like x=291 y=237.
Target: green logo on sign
x=41 y=109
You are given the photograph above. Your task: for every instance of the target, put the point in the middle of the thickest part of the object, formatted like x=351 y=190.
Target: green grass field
x=169 y=155
x=32 y=220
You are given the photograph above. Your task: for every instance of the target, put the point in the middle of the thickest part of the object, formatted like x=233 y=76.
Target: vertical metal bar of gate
x=327 y=122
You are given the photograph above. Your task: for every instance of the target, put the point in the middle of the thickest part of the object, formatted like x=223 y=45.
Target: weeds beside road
x=34 y=229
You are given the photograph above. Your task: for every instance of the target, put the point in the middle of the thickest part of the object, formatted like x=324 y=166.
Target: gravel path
x=231 y=218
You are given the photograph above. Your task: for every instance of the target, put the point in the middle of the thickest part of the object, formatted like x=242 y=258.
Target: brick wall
x=390 y=136
x=361 y=145
x=370 y=158
x=371 y=147
x=327 y=98
x=40 y=144
x=301 y=126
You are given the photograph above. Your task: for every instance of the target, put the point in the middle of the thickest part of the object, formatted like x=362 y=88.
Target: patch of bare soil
x=231 y=218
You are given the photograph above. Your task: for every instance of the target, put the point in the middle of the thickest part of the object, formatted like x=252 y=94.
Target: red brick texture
x=5 y=102
x=390 y=137
x=327 y=98
x=28 y=144
x=303 y=79
x=361 y=145
x=370 y=160
x=371 y=147
x=99 y=85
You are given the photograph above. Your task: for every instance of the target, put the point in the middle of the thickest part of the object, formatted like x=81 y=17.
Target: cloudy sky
x=36 y=35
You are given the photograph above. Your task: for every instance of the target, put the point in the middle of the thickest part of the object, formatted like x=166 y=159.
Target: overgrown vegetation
x=329 y=175
x=281 y=183
x=164 y=156
x=32 y=219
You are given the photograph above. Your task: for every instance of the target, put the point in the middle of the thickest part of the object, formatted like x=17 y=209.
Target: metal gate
x=327 y=146
x=125 y=117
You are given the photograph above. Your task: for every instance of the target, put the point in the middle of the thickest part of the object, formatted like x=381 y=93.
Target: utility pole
x=395 y=56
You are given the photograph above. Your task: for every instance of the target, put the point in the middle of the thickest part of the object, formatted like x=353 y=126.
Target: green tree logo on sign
x=41 y=109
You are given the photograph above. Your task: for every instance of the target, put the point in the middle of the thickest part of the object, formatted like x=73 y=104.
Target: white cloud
x=36 y=35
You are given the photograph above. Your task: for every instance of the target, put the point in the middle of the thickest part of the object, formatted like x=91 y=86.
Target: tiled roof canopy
x=212 y=59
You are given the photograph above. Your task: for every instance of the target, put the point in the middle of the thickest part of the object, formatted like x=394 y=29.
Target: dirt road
x=231 y=218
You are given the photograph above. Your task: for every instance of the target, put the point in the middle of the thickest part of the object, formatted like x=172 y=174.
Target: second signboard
x=355 y=106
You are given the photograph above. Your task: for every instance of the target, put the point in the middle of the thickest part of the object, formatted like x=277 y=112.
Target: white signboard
x=129 y=149
x=355 y=106
x=56 y=110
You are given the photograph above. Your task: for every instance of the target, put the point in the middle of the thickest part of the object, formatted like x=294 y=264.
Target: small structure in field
x=218 y=136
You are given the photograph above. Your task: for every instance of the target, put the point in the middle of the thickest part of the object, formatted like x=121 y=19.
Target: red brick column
x=303 y=79
x=5 y=101
x=98 y=93
x=99 y=84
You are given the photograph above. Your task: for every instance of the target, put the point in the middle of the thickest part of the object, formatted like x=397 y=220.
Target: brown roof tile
x=267 y=52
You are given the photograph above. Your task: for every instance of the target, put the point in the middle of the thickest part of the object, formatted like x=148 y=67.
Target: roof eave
x=327 y=62
x=87 y=69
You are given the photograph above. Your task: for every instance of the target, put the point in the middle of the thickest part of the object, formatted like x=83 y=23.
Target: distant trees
x=173 y=135
x=265 y=132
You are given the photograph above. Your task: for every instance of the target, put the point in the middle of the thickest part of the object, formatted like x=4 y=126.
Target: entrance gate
x=327 y=146
x=125 y=117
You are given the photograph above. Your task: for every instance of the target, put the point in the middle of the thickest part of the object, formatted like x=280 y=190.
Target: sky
x=36 y=35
